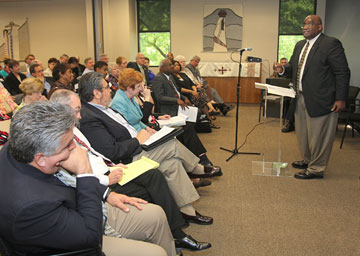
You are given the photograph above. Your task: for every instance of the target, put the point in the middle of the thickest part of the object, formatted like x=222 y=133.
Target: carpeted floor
x=263 y=215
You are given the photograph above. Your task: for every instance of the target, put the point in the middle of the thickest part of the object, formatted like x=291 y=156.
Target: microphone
x=244 y=49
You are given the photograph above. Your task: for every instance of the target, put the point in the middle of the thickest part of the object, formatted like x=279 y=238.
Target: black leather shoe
x=306 y=175
x=201 y=183
x=210 y=171
x=289 y=127
x=198 y=219
x=299 y=164
x=190 y=243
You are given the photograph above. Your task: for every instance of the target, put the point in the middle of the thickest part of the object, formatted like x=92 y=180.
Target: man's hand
x=339 y=105
x=77 y=162
x=115 y=176
x=119 y=201
x=181 y=104
x=150 y=130
x=143 y=136
x=187 y=102
x=277 y=67
x=164 y=117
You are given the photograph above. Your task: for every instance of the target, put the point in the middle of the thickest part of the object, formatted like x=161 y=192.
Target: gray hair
x=180 y=57
x=88 y=83
x=87 y=59
x=195 y=58
x=62 y=96
x=112 y=66
x=39 y=128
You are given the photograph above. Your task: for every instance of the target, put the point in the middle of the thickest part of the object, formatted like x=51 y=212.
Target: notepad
x=135 y=169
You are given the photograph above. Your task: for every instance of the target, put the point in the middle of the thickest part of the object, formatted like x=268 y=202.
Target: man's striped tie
x=299 y=69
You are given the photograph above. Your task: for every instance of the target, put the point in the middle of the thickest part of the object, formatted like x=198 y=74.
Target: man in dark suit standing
x=139 y=65
x=320 y=74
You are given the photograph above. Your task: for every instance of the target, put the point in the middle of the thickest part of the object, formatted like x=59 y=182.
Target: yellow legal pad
x=135 y=169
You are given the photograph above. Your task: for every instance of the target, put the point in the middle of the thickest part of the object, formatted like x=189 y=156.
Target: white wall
x=56 y=26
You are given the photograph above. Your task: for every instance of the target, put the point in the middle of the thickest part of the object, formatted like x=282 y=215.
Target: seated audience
x=112 y=79
x=28 y=61
x=74 y=65
x=139 y=65
x=7 y=104
x=170 y=56
x=193 y=72
x=43 y=214
x=150 y=186
x=130 y=85
x=151 y=74
x=63 y=77
x=32 y=89
x=6 y=70
x=102 y=68
x=104 y=57
x=64 y=59
x=37 y=71
x=121 y=62
x=111 y=135
x=13 y=80
x=197 y=95
x=51 y=64
x=89 y=65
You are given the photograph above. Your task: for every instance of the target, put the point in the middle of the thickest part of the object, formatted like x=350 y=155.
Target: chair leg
x=343 y=136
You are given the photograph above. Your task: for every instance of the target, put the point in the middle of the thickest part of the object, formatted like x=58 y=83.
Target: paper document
x=178 y=120
x=277 y=90
x=135 y=169
x=158 y=135
x=190 y=112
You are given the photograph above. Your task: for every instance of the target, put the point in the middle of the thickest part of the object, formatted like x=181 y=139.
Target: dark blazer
x=38 y=212
x=107 y=136
x=326 y=74
x=135 y=66
x=11 y=83
x=165 y=94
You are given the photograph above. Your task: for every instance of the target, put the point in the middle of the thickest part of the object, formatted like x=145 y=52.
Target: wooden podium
x=225 y=82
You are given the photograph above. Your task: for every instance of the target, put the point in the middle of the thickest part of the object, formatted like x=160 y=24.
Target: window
x=154 y=29
x=291 y=17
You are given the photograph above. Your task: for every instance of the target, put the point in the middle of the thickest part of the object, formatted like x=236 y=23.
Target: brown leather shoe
x=201 y=182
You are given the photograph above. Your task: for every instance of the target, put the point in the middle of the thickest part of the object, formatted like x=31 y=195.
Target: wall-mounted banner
x=222 y=28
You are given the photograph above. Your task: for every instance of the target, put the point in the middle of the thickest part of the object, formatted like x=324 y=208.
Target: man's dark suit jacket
x=135 y=66
x=326 y=74
x=107 y=136
x=38 y=212
x=11 y=83
x=165 y=94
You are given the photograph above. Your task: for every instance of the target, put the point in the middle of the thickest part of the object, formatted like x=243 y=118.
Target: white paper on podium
x=281 y=91
x=190 y=112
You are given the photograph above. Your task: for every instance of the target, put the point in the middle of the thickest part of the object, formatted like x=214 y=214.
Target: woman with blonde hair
x=32 y=89
x=121 y=62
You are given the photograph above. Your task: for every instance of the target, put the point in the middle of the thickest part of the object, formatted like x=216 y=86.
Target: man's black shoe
x=299 y=164
x=190 y=243
x=306 y=175
x=289 y=127
x=198 y=219
x=226 y=109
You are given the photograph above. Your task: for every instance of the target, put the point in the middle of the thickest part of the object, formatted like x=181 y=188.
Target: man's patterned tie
x=299 y=69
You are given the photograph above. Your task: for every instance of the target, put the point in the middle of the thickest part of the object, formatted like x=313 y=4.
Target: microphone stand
x=235 y=151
